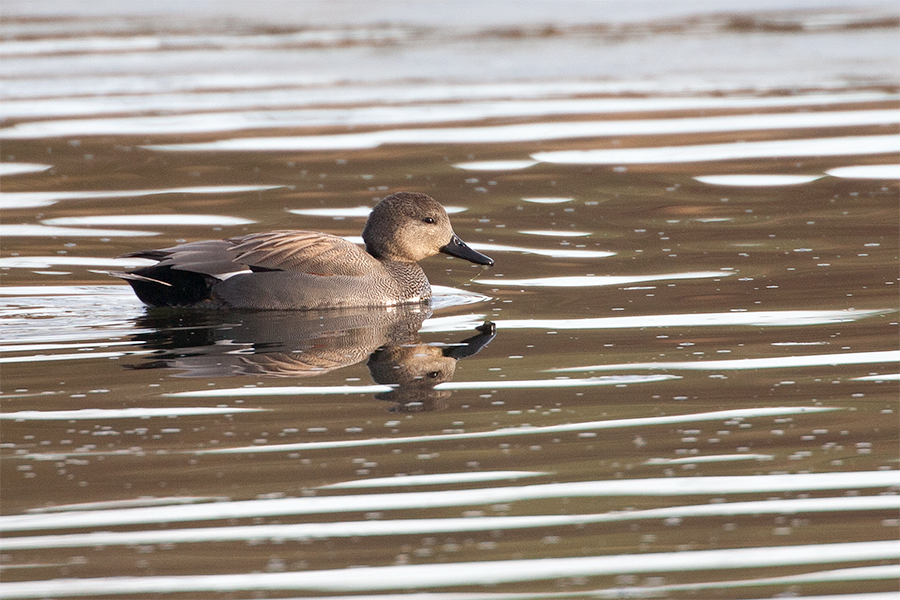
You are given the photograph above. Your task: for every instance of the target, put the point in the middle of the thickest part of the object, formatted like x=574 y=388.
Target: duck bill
x=458 y=248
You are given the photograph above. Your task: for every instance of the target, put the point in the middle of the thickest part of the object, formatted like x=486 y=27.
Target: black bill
x=456 y=247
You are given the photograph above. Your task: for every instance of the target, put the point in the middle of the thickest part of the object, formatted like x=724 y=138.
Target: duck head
x=408 y=227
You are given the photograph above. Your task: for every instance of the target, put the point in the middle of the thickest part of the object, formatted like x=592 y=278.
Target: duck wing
x=305 y=251
x=207 y=257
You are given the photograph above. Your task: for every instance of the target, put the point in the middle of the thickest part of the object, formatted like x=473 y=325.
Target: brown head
x=408 y=227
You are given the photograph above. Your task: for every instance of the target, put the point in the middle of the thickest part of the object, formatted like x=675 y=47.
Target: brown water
x=690 y=388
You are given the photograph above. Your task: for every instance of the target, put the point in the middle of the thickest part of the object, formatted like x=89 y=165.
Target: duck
x=307 y=270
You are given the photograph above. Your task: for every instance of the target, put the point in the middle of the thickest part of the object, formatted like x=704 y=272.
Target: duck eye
x=429 y=220
x=434 y=374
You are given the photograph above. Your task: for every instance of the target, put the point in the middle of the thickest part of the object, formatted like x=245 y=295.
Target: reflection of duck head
x=415 y=370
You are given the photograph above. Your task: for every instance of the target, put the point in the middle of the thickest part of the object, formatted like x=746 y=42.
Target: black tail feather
x=165 y=286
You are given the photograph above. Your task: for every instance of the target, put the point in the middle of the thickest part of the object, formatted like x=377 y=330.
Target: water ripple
x=774 y=362
x=838 y=146
x=598 y=280
x=654 y=487
x=34 y=199
x=390 y=527
x=91 y=414
x=469 y=109
x=532 y=132
x=527 y=430
x=11 y=168
x=465 y=573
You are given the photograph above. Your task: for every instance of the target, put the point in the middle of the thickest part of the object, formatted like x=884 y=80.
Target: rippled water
x=690 y=385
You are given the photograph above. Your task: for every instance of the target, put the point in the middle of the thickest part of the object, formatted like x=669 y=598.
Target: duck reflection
x=415 y=369
x=208 y=344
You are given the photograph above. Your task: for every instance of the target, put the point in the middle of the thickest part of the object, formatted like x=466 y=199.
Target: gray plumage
x=289 y=270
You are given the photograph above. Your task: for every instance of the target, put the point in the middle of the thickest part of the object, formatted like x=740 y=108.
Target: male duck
x=291 y=270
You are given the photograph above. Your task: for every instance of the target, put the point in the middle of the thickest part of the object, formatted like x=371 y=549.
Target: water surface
x=679 y=379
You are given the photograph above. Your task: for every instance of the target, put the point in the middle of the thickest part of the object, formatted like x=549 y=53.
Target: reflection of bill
x=415 y=370
x=299 y=344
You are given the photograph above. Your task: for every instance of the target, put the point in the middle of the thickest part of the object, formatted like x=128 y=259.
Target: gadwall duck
x=291 y=270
